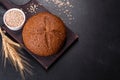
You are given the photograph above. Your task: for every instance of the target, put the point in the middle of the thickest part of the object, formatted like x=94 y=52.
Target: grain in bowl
x=14 y=19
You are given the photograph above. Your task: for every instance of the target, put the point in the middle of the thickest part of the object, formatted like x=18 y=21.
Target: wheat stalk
x=11 y=50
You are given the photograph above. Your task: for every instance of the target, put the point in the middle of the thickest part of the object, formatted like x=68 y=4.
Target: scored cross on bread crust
x=44 y=34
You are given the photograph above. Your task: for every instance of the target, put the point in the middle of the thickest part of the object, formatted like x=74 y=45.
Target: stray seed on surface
x=64 y=6
x=33 y=8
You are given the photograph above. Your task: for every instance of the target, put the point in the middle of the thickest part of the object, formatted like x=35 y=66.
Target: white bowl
x=16 y=27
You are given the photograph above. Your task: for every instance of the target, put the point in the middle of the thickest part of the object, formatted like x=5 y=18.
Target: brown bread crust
x=44 y=34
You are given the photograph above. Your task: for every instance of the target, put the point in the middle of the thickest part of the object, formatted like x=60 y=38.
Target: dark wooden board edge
x=73 y=37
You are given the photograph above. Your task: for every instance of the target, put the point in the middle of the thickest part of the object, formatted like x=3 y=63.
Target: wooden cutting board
x=46 y=62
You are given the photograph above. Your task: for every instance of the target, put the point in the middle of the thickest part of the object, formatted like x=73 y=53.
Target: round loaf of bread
x=44 y=34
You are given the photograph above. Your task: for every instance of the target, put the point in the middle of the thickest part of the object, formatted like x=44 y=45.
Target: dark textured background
x=95 y=56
